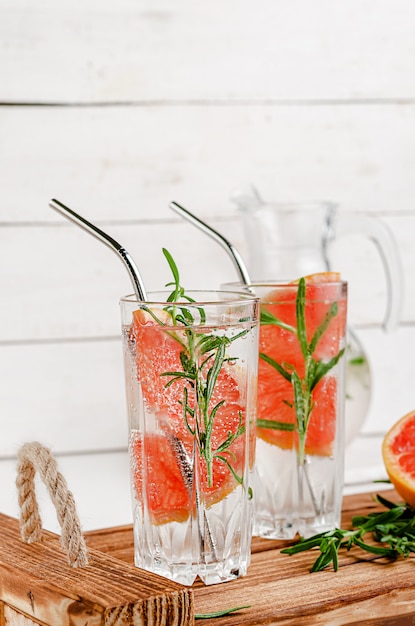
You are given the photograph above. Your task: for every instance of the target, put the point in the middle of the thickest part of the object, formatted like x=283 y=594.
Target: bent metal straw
x=140 y=294
x=108 y=241
x=218 y=237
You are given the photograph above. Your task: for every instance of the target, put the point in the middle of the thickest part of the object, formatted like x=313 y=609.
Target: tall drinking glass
x=191 y=380
x=301 y=398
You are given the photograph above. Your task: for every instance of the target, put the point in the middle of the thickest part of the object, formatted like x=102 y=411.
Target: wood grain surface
x=36 y=583
x=280 y=589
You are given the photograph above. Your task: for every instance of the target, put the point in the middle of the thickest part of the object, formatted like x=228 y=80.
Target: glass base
x=222 y=572
x=216 y=549
x=182 y=573
x=293 y=499
x=313 y=525
x=186 y=573
x=274 y=529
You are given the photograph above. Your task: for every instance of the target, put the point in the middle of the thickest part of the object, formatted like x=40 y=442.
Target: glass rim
x=234 y=298
x=283 y=283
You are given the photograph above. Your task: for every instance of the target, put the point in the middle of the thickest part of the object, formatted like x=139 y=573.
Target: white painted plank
x=364 y=464
x=129 y=162
x=359 y=261
x=62 y=283
x=393 y=372
x=96 y=479
x=99 y=51
x=68 y=396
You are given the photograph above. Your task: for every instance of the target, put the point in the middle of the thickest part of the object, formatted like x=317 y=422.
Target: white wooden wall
x=117 y=107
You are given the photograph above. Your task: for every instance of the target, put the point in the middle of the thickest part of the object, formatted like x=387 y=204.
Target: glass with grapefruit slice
x=301 y=397
x=191 y=365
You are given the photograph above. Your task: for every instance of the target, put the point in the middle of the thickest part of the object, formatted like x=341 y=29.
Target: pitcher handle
x=382 y=237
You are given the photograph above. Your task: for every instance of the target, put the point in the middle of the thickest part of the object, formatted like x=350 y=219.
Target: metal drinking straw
x=214 y=234
x=108 y=241
x=243 y=273
x=140 y=292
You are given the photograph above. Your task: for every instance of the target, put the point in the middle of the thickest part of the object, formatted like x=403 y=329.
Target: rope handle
x=34 y=457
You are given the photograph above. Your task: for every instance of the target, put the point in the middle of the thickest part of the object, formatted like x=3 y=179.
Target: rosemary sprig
x=202 y=358
x=221 y=613
x=393 y=529
x=314 y=369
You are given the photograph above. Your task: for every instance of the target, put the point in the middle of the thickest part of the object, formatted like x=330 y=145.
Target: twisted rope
x=34 y=457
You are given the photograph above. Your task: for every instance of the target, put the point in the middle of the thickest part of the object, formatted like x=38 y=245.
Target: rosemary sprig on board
x=221 y=613
x=393 y=530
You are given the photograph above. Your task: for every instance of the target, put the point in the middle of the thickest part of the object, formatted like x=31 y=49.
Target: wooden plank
x=323 y=599
x=35 y=580
x=281 y=590
x=96 y=477
x=15 y=618
x=128 y=162
x=68 y=396
x=74 y=283
x=107 y=473
x=392 y=370
x=71 y=396
x=197 y=51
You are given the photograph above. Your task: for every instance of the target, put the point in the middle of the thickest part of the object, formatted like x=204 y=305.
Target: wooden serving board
x=39 y=588
x=280 y=589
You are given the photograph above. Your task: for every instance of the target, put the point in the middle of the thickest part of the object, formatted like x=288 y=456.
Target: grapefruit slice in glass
x=275 y=393
x=159 y=351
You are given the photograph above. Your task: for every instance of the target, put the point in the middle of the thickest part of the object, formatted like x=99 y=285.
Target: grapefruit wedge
x=168 y=498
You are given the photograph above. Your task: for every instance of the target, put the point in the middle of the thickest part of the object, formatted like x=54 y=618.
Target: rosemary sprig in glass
x=392 y=529
x=314 y=369
x=202 y=358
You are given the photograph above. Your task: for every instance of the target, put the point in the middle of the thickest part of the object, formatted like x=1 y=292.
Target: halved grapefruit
x=398 y=451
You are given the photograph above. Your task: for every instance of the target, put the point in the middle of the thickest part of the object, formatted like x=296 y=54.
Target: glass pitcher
x=289 y=240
